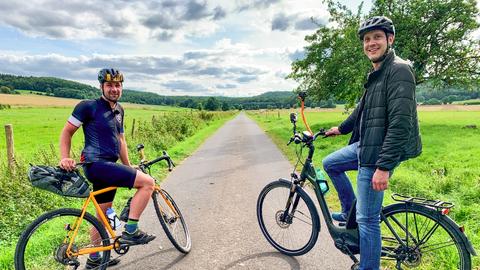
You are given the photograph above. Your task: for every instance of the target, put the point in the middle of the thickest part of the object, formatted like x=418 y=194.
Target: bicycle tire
x=169 y=221
x=415 y=253
x=271 y=231
x=48 y=231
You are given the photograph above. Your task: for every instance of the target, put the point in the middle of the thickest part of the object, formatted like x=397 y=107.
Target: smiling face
x=375 y=44
x=112 y=91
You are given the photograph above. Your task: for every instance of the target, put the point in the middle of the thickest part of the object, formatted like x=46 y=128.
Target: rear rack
x=422 y=201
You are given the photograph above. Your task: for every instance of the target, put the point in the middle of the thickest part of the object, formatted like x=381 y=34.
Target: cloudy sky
x=171 y=47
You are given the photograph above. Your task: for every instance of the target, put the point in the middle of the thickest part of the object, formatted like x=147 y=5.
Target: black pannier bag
x=59 y=181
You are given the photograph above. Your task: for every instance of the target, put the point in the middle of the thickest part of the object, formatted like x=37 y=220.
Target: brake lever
x=289 y=142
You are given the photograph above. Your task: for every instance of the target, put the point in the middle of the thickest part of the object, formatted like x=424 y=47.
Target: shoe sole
x=134 y=243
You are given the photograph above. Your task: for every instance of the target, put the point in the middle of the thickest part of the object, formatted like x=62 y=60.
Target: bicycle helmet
x=110 y=75
x=376 y=23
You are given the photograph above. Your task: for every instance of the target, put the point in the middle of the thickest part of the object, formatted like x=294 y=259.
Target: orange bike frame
x=73 y=233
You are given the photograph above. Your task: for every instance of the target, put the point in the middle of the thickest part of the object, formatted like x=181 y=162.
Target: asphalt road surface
x=216 y=189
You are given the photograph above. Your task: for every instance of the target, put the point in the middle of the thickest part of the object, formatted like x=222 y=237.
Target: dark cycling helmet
x=376 y=23
x=110 y=75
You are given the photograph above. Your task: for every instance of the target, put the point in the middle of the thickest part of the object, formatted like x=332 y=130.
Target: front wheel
x=172 y=221
x=415 y=236
x=294 y=230
x=44 y=244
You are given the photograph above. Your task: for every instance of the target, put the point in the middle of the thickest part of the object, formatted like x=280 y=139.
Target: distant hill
x=70 y=89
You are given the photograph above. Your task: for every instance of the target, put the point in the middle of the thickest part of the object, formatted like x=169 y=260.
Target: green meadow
x=448 y=169
x=36 y=134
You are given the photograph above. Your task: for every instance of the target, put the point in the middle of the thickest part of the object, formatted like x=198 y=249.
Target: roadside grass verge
x=180 y=133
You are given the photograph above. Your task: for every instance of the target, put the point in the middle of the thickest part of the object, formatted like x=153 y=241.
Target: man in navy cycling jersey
x=102 y=121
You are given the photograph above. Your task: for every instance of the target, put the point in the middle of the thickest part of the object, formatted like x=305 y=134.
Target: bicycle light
x=445 y=211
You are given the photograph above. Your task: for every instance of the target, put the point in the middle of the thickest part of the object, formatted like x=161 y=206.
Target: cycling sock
x=131 y=226
x=95 y=256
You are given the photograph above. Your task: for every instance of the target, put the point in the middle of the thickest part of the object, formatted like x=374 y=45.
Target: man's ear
x=391 y=39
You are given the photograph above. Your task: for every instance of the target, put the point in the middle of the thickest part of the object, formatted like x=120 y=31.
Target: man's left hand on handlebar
x=334 y=131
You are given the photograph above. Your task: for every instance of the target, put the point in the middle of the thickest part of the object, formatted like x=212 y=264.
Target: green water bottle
x=322 y=181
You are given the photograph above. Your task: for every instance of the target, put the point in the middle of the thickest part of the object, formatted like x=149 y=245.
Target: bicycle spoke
x=309 y=223
x=426 y=249
x=417 y=239
x=429 y=234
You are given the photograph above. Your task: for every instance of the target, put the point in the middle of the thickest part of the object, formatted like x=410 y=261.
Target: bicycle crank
x=120 y=248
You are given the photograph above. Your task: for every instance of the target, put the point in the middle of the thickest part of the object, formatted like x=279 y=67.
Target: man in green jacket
x=385 y=132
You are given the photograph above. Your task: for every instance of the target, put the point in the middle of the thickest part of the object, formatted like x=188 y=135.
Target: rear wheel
x=415 y=236
x=292 y=231
x=172 y=221
x=44 y=244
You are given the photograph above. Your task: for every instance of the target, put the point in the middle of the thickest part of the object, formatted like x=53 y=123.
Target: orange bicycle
x=64 y=238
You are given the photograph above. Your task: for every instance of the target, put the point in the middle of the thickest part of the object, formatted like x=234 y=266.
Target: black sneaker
x=137 y=238
x=339 y=216
x=94 y=264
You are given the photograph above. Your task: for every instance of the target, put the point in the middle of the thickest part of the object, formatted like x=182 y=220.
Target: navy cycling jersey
x=101 y=127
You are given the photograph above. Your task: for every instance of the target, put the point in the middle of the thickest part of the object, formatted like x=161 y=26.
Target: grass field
x=448 y=169
x=36 y=134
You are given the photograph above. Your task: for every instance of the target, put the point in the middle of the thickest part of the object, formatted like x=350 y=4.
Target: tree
x=435 y=35
x=334 y=65
x=6 y=90
x=225 y=106
x=212 y=104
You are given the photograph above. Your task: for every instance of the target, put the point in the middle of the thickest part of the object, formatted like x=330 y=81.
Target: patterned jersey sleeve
x=81 y=113
x=121 y=130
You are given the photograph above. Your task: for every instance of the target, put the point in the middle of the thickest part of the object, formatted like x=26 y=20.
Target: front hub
x=282 y=220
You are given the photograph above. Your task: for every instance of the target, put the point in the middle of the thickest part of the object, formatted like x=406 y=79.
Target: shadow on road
x=294 y=265
x=153 y=254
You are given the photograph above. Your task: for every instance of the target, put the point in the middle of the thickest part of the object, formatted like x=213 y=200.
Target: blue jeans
x=369 y=202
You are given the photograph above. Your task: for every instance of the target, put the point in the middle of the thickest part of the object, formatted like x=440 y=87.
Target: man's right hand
x=67 y=164
x=334 y=131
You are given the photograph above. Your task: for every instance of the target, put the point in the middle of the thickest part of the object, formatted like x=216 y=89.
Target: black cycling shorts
x=104 y=174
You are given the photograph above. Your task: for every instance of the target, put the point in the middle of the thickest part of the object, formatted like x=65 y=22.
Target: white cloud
x=77 y=19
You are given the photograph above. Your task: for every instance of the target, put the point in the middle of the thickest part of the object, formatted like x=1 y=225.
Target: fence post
x=133 y=127
x=10 y=147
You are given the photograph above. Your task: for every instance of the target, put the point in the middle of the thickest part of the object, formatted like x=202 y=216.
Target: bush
x=4 y=106
x=433 y=101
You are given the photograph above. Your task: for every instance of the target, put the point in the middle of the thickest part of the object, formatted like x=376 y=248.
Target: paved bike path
x=216 y=189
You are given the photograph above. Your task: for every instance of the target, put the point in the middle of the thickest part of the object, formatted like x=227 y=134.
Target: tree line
x=9 y=84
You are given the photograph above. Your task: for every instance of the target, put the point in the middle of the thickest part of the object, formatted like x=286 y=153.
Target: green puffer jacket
x=385 y=120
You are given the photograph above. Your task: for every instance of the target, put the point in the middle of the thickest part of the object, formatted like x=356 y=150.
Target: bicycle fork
x=288 y=217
